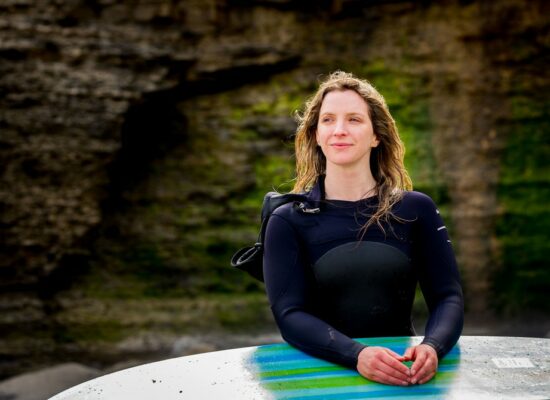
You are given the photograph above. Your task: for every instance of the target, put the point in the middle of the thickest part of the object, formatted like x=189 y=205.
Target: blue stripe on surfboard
x=349 y=379
x=293 y=355
x=293 y=364
x=283 y=356
x=284 y=352
x=375 y=391
x=329 y=374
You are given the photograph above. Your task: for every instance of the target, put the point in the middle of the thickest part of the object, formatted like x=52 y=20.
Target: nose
x=340 y=129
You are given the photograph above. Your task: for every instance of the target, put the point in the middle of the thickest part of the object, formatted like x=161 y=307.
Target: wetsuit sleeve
x=439 y=278
x=288 y=291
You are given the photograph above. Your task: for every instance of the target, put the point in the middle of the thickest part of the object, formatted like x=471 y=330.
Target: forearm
x=315 y=337
x=445 y=324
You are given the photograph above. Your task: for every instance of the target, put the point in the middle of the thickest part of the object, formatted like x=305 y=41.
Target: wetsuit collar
x=317 y=193
x=314 y=198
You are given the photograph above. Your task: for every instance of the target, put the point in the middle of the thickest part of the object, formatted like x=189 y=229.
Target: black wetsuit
x=325 y=286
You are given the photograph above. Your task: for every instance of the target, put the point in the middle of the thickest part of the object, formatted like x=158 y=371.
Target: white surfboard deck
x=477 y=368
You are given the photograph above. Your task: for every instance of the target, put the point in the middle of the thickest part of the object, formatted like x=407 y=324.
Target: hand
x=425 y=363
x=382 y=365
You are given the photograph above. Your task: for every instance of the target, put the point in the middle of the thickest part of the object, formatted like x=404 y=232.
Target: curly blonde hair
x=386 y=161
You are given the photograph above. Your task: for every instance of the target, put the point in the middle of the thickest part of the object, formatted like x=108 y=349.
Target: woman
x=345 y=263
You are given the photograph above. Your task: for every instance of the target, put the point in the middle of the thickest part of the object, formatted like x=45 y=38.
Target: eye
x=355 y=119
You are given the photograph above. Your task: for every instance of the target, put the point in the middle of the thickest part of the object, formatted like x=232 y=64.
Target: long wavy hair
x=386 y=160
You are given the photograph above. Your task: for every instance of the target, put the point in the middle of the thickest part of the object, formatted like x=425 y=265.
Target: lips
x=340 y=145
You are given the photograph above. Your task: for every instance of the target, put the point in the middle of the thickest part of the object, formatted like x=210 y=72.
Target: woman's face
x=344 y=130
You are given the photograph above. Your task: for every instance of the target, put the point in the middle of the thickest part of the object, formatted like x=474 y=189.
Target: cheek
x=319 y=137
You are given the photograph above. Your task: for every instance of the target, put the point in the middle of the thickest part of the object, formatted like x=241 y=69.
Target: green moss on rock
x=407 y=97
x=524 y=220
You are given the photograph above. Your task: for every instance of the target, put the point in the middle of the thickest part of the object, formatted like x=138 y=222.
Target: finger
x=426 y=371
x=391 y=363
x=395 y=360
x=394 y=354
x=418 y=366
x=423 y=373
x=429 y=372
x=390 y=370
x=426 y=378
x=382 y=377
x=409 y=354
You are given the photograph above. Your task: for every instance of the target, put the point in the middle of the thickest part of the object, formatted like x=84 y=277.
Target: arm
x=439 y=279
x=440 y=283
x=288 y=289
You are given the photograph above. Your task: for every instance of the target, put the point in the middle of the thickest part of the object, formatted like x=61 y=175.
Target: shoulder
x=288 y=211
x=418 y=199
x=290 y=206
x=417 y=203
x=283 y=222
x=299 y=215
x=285 y=210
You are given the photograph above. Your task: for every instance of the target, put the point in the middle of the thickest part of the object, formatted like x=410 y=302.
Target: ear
x=317 y=137
x=375 y=142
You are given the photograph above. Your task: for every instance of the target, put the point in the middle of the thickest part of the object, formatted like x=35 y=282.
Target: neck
x=349 y=185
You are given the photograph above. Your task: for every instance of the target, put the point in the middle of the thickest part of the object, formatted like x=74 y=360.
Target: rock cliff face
x=137 y=139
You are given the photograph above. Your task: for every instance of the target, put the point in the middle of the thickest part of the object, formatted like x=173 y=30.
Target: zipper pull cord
x=306 y=210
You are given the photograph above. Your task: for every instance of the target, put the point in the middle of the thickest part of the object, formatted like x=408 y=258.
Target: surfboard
x=477 y=367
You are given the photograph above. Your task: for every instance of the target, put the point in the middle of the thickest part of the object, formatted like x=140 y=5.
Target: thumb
x=409 y=353
x=394 y=354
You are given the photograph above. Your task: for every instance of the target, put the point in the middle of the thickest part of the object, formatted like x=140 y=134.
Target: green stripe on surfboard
x=316 y=383
x=299 y=371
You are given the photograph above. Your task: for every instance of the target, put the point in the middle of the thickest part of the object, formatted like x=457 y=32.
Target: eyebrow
x=347 y=114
